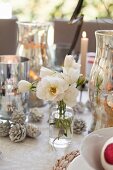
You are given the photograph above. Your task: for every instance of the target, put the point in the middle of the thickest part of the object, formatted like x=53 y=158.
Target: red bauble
x=108 y=154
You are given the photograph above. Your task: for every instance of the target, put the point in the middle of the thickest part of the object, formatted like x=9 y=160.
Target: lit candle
x=33 y=75
x=84 y=48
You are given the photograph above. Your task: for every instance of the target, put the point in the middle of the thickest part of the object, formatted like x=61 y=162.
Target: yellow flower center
x=53 y=90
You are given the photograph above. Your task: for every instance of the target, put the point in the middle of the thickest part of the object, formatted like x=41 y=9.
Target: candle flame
x=33 y=75
x=84 y=34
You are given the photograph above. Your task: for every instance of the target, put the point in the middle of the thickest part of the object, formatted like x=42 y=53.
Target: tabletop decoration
x=107 y=154
x=64 y=161
x=79 y=126
x=32 y=130
x=84 y=48
x=17 y=128
x=33 y=44
x=101 y=80
x=12 y=69
x=17 y=132
x=4 y=128
x=18 y=117
x=62 y=89
x=35 y=115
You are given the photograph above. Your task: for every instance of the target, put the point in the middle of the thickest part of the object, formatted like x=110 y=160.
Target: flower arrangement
x=58 y=87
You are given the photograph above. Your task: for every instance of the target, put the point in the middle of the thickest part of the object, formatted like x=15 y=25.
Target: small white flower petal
x=46 y=72
x=70 y=96
x=70 y=62
x=24 y=86
x=71 y=75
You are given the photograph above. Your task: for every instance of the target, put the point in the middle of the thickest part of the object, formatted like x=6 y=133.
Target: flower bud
x=24 y=86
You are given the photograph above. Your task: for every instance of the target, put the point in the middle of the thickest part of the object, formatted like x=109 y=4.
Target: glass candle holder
x=12 y=69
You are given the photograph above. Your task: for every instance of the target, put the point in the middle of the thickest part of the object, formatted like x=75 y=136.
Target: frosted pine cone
x=18 y=117
x=32 y=131
x=35 y=115
x=4 y=128
x=17 y=133
x=79 y=126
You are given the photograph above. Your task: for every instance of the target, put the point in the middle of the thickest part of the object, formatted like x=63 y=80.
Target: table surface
x=36 y=154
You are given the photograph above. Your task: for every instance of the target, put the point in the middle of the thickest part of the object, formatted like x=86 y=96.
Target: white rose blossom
x=49 y=88
x=46 y=72
x=71 y=75
x=69 y=62
x=70 y=96
x=71 y=70
x=24 y=86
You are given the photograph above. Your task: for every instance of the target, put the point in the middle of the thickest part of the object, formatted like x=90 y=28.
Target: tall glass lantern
x=33 y=44
x=101 y=80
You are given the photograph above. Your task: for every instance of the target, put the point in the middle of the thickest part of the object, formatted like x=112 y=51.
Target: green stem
x=62 y=123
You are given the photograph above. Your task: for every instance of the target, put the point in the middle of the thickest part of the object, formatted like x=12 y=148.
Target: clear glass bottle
x=101 y=80
x=61 y=127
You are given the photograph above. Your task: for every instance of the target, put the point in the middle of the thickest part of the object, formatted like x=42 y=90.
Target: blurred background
x=54 y=9
x=98 y=15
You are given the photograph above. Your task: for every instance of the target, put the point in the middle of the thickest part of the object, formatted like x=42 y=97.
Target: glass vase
x=101 y=81
x=61 y=127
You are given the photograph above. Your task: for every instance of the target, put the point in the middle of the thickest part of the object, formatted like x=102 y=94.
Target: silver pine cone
x=18 y=117
x=4 y=128
x=17 y=133
x=79 y=126
x=35 y=115
x=32 y=131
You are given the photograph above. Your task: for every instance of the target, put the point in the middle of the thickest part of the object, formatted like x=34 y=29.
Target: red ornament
x=108 y=154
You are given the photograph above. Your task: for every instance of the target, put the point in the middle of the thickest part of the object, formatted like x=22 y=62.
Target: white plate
x=79 y=164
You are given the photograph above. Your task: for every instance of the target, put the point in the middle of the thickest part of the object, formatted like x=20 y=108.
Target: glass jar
x=61 y=127
x=101 y=80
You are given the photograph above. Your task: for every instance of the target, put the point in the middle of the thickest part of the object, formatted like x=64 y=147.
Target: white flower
x=46 y=72
x=71 y=75
x=70 y=96
x=69 y=62
x=49 y=88
x=24 y=86
x=71 y=70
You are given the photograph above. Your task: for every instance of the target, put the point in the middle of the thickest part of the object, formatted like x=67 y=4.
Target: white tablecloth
x=35 y=154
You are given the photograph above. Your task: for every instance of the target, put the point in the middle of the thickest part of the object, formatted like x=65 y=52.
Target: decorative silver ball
x=18 y=117
x=35 y=114
x=17 y=133
x=79 y=126
x=4 y=128
x=32 y=131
